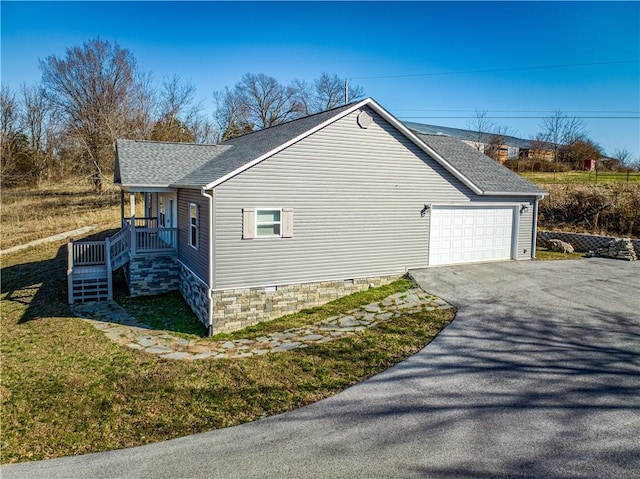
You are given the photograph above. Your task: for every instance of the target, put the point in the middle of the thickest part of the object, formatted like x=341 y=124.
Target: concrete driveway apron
x=538 y=377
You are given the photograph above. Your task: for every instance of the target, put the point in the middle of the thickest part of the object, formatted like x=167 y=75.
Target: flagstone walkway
x=124 y=329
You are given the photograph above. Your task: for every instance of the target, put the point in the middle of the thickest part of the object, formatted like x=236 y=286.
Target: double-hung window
x=193 y=225
x=268 y=223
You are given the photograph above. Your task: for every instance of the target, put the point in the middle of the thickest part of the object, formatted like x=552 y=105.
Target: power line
x=526 y=117
x=524 y=111
x=541 y=67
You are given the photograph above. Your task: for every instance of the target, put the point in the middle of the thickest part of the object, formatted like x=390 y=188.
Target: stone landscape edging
x=583 y=242
x=122 y=328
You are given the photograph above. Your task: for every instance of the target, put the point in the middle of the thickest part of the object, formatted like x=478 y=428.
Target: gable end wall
x=356 y=196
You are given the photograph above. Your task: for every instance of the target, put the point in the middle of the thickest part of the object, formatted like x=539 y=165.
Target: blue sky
x=505 y=48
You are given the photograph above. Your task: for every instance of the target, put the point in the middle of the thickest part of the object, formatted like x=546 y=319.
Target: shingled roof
x=186 y=165
x=467 y=135
x=485 y=173
x=159 y=164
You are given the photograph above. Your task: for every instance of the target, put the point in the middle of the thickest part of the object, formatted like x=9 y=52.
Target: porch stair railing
x=119 y=247
x=89 y=271
x=90 y=264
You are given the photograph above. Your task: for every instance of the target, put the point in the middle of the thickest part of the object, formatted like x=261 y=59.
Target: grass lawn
x=67 y=389
x=545 y=254
x=581 y=177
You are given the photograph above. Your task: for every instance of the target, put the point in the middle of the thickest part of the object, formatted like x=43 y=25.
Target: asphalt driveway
x=538 y=377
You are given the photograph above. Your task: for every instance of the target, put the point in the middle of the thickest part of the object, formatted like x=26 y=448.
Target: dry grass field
x=611 y=209
x=582 y=177
x=29 y=213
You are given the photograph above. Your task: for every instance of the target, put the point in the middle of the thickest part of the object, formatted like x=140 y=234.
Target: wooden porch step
x=89 y=289
x=93 y=271
x=89 y=283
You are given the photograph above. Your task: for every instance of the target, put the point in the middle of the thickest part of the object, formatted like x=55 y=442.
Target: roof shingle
x=487 y=174
x=160 y=164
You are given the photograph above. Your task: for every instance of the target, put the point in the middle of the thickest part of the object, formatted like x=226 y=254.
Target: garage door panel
x=470 y=234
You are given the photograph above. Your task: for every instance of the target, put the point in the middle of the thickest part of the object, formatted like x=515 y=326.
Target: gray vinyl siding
x=196 y=260
x=356 y=196
x=525 y=231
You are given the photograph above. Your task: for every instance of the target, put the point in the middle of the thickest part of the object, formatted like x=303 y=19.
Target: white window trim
x=255 y=232
x=197 y=226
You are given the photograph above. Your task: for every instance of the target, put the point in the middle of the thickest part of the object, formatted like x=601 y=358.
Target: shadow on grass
x=40 y=286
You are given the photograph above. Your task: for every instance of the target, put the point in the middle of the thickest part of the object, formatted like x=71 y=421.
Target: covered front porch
x=156 y=229
x=141 y=239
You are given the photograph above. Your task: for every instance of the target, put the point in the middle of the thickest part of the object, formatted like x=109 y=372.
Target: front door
x=168 y=218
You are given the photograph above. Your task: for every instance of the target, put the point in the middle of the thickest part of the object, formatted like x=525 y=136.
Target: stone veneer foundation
x=238 y=308
x=194 y=292
x=149 y=275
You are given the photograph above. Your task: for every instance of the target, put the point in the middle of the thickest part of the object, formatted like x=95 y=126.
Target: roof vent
x=364 y=119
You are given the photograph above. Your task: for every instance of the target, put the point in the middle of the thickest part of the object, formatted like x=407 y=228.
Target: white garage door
x=469 y=235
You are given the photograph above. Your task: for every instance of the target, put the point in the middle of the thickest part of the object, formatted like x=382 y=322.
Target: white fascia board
x=279 y=148
x=147 y=188
x=515 y=193
x=424 y=147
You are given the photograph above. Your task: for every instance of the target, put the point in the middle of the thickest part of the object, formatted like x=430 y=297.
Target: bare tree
x=267 y=102
x=303 y=98
x=176 y=96
x=623 y=156
x=13 y=143
x=327 y=92
x=481 y=126
x=95 y=90
x=143 y=108
x=487 y=136
x=38 y=124
x=230 y=115
x=562 y=130
x=175 y=111
x=258 y=101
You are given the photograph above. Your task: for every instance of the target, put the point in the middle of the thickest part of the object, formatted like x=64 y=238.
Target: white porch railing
x=87 y=253
x=89 y=271
x=119 y=248
x=147 y=240
x=91 y=263
x=142 y=222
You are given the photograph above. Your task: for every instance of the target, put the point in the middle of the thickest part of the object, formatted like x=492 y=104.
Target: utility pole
x=346 y=91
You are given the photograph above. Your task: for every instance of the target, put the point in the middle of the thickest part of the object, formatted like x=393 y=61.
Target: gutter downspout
x=535 y=227
x=211 y=257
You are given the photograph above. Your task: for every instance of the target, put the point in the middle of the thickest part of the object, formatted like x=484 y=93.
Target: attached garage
x=471 y=234
x=367 y=198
